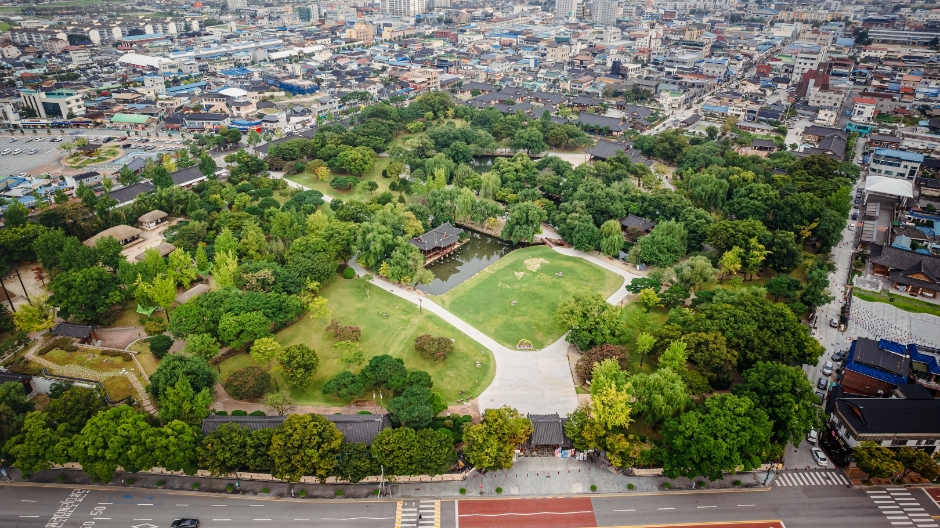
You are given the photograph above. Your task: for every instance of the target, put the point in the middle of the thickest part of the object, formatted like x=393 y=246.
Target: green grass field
x=527 y=276
x=903 y=302
x=395 y=336
x=89 y=360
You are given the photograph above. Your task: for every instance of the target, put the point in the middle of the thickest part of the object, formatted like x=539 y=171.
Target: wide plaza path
x=537 y=382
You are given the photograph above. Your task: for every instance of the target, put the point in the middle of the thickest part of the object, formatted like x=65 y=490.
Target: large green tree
x=660 y=395
x=590 y=321
x=225 y=450
x=181 y=402
x=196 y=370
x=298 y=363
x=490 y=444
x=403 y=451
x=877 y=461
x=786 y=395
x=414 y=407
x=664 y=246
x=87 y=294
x=525 y=221
x=305 y=444
x=723 y=434
x=112 y=438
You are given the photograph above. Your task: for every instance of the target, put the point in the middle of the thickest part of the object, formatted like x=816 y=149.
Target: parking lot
x=47 y=153
x=47 y=156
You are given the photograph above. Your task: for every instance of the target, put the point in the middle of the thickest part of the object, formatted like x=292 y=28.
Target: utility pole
x=5 y=292
x=22 y=285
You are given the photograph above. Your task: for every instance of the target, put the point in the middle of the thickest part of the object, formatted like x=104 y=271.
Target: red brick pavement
x=527 y=513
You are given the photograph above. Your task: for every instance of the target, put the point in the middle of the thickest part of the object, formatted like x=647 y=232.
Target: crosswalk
x=901 y=507
x=810 y=478
x=417 y=514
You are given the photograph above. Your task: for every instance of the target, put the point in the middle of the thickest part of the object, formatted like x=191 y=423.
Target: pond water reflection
x=479 y=252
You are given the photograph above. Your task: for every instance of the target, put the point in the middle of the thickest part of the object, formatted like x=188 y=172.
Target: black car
x=855 y=216
x=822 y=383
x=185 y=523
x=838 y=356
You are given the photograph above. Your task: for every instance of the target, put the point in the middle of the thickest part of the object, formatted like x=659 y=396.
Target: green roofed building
x=130 y=119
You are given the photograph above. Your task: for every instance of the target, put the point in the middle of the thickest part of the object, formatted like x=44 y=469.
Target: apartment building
x=605 y=12
x=896 y=163
x=57 y=103
x=403 y=8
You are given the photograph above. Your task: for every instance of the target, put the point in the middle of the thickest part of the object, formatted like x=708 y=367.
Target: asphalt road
x=26 y=506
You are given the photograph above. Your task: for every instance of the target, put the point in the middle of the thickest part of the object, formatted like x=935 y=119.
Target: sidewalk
x=529 y=477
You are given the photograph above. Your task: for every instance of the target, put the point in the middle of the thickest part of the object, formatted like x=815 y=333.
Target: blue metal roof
x=900 y=154
x=929 y=360
x=872 y=372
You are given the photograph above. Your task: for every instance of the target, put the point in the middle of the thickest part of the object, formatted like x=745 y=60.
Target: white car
x=812 y=436
x=827 y=369
x=820 y=457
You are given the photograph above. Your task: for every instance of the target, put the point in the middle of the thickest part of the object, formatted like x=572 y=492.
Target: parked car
x=820 y=457
x=6 y=151
x=833 y=322
x=812 y=437
x=838 y=356
x=33 y=151
x=827 y=368
x=14 y=140
x=855 y=215
x=17 y=151
x=852 y=227
x=822 y=396
x=822 y=383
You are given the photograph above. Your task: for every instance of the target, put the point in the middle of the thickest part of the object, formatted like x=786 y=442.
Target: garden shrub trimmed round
x=349 y=273
x=248 y=383
x=160 y=345
x=666 y=485
x=230 y=488
x=593 y=487
x=631 y=486
x=499 y=490
x=239 y=412
x=463 y=491
x=265 y=490
x=302 y=493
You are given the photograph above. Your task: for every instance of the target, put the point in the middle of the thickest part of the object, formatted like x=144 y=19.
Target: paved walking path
x=537 y=382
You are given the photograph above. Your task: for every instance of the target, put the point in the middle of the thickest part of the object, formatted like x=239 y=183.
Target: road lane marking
x=367 y=518
x=221 y=519
x=301 y=519
x=24 y=500
x=261 y=519
x=220 y=505
x=29 y=516
x=103 y=503
x=745 y=505
x=665 y=508
x=256 y=505
x=623 y=510
x=143 y=519
x=700 y=507
x=182 y=504
x=145 y=504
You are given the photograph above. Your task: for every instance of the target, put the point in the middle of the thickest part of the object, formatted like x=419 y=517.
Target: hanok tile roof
x=548 y=430
x=643 y=224
x=362 y=428
x=441 y=236
x=608 y=149
x=907 y=267
x=127 y=194
x=73 y=330
x=252 y=423
x=602 y=121
x=185 y=176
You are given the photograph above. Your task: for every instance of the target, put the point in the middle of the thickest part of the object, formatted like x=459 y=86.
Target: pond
x=479 y=252
x=482 y=164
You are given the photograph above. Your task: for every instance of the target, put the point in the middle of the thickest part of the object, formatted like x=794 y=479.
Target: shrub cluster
x=160 y=345
x=248 y=383
x=343 y=333
x=597 y=354
x=432 y=347
x=60 y=343
x=126 y=356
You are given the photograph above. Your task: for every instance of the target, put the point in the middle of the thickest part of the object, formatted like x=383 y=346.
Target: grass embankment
x=352 y=305
x=530 y=278
x=902 y=302
x=90 y=360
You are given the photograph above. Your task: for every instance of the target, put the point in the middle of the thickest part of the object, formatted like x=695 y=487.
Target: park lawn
x=356 y=193
x=394 y=336
x=89 y=359
x=148 y=361
x=903 y=302
x=527 y=276
x=119 y=387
